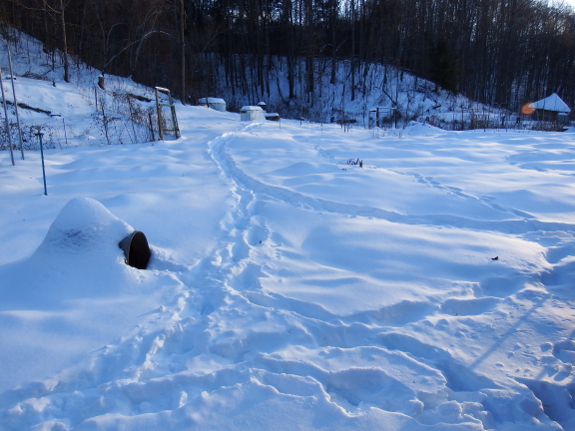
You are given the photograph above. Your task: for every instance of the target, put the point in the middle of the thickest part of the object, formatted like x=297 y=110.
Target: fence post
x=39 y=134
x=151 y=126
x=15 y=100
x=159 y=114
x=7 y=122
x=176 y=129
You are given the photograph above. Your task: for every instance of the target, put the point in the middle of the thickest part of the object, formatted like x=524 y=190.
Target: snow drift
x=428 y=288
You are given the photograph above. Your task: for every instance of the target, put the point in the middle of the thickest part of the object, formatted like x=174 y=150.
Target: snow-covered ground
x=289 y=288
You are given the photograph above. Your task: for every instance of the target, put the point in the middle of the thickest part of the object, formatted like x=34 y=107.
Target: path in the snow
x=457 y=376
x=225 y=333
x=275 y=328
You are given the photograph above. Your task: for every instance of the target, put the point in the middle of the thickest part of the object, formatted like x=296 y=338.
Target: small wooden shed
x=551 y=108
x=252 y=113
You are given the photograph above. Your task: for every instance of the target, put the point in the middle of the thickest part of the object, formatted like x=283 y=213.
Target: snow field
x=289 y=289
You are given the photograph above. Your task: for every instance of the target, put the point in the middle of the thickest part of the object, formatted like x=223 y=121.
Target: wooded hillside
x=500 y=52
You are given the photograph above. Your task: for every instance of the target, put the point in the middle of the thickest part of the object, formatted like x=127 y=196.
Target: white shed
x=252 y=113
x=551 y=108
x=214 y=103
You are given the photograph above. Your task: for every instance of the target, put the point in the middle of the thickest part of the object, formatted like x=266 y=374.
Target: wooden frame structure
x=159 y=105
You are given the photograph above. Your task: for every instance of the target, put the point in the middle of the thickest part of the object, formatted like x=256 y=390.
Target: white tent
x=552 y=103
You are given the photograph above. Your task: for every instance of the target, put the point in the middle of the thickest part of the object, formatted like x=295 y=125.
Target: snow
x=430 y=289
x=206 y=100
x=214 y=103
x=551 y=103
x=252 y=113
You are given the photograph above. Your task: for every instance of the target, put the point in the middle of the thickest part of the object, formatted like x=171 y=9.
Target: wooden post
x=7 y=122
x=161 y=130
x=159 y=112
x=15 y=100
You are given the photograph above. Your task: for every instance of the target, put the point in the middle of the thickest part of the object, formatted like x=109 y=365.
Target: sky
x=568 y=2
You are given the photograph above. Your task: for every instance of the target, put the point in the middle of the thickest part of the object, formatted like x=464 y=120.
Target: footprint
x=397 y=314
x=469 y=306
x=556 y=400
x=556 y=254
x=458 y=377
x=256 y=235
x=499 y=287
x=565 y=351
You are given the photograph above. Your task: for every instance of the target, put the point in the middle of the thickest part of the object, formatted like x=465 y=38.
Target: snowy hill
x=430 y=288
x=124 y=112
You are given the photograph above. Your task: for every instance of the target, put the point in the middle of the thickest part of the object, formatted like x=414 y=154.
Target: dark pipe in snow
x=136 y=250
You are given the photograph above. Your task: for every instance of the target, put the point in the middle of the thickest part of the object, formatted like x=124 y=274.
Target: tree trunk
x=64 y=43
x=183 y=51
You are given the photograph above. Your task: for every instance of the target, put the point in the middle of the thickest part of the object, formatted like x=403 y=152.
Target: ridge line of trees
x=500 y=52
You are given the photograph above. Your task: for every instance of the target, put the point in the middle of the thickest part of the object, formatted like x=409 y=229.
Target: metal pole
x=42 y=156
x=7 y=122
x=65 y=133
x=15 y=101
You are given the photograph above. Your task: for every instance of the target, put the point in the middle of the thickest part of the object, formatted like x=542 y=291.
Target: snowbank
x=427 y=288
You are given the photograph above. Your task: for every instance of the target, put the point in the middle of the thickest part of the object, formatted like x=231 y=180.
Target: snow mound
x=84 y=225
x=417 y=129
x=73 y=295
x=79 y=258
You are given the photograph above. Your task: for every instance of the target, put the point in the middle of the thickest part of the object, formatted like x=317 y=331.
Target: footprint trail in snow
x=323 y=304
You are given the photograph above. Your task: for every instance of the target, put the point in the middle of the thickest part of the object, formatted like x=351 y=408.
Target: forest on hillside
x=500 y=52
